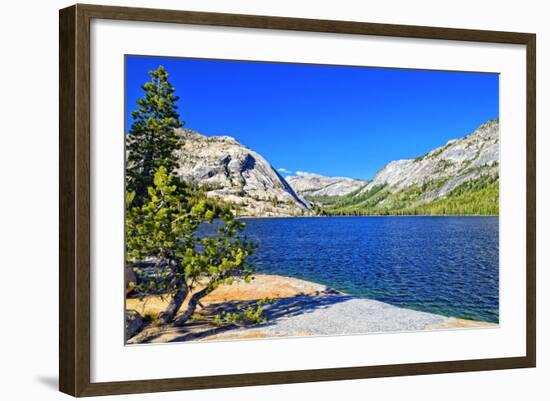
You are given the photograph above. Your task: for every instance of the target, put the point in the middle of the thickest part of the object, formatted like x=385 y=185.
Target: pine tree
x=163 y=215
x=152 y=140
x=164 y=230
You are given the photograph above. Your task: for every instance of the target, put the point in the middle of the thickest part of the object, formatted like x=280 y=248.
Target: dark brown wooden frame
x=74 y=199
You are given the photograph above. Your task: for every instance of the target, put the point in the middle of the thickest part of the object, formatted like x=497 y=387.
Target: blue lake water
x=444 y=265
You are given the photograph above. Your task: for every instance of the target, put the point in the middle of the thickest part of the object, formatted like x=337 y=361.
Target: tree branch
x=192 y=306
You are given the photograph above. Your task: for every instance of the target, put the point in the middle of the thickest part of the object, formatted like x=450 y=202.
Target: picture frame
x=76 y=201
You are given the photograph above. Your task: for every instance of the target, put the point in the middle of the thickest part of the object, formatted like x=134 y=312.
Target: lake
x=444 y=265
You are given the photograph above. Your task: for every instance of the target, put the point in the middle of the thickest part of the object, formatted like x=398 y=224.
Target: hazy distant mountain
x=237 y=174
x=309 y=184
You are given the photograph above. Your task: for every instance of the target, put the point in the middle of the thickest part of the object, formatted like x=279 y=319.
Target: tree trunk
x=173 y=307
x=191 y=307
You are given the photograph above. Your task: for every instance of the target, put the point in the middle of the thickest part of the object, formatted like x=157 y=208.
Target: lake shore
x=301 y=308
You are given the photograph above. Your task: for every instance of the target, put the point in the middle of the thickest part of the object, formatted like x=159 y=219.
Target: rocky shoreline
x=300 y=308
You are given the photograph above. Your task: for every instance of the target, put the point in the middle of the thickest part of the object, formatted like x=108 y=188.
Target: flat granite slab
x=301 y=309
x=341 y=315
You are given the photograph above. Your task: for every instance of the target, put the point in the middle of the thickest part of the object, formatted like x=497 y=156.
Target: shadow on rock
x=282 y=308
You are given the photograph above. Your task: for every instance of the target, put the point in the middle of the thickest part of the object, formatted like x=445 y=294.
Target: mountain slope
x=436 y=183
x=460 y=177
x=238 y=175
x=309 y=184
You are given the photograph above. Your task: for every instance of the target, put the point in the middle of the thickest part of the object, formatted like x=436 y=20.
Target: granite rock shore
x=300 y=308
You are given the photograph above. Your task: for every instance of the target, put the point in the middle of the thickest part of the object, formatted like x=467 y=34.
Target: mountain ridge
x=408 y=185
x=445 y=180
x=318 y=185
x=237 y=174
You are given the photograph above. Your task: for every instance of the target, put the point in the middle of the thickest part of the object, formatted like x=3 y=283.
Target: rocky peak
x=237 y=174
x=459 y=160
x=310 y=184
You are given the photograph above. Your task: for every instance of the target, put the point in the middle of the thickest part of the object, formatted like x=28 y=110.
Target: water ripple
x=445 y=265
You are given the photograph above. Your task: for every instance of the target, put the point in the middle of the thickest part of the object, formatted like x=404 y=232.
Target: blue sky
x=331 y=120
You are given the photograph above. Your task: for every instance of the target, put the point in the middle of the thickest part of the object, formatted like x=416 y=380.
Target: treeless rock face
x=238 y=175
x=310 y=184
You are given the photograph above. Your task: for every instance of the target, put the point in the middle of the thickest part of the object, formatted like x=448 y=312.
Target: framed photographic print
x=238 y=189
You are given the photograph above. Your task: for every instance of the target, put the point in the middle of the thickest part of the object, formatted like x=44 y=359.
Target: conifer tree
x=152 y=141
x=163 y=215
x=164 y=230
